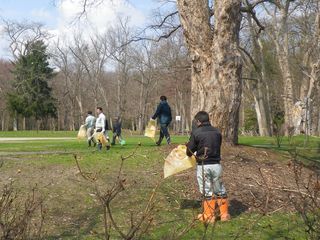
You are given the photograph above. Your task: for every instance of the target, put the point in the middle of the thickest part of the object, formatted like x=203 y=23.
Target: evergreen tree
x=31 y=96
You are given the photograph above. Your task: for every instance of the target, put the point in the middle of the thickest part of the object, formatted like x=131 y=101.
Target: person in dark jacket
x=163 y=113
x=116 y=130
x=205 y=142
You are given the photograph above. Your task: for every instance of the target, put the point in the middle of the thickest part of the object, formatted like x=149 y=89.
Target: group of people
x=204 y=143
x=100 y=124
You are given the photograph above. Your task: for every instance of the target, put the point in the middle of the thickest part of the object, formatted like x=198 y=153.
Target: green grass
x=74 y=213
x=244 y=226
x=307 y=150
x=38 y=133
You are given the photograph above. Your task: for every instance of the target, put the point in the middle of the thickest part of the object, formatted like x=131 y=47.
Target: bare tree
x=120 y=50
x=93 y=56
x=22 y=34
x=73 y=72
x=258 y=83
x=144 y=59
x=279 y=32
x=308 y=25
x=173 y=62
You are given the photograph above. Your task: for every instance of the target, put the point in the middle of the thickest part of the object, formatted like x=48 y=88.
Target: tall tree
x=216 y=64
x=258 y=83
x=279 y=32
x=31 y=96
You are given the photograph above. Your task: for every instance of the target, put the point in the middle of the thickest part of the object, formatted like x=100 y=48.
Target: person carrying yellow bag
x=205 y=142
x=101 y=126
x=151 y=129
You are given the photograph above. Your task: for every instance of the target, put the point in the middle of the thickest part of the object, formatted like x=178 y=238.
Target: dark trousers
x=164 y=133
x=115 y=136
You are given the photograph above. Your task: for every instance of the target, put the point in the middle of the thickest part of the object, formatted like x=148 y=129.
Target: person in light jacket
x=90 y=123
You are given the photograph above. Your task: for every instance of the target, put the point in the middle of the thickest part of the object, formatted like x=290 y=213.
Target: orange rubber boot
x=223 y=206
x=208 y=211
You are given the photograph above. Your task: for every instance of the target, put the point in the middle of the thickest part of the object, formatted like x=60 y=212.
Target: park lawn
x=41 y=133
x=73 y=211
x=48 y=133
x=305 y=149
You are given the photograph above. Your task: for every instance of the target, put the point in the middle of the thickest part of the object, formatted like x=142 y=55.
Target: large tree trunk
x=23 y=123
x=15 y=122
x=280 y=36
x=309 y=98
x=142 y=107
x=265 y=92
x=311 y=79
x=79 y=101
x=119 y=96
x=3 y=120
x=288 y=97
x=216 y=66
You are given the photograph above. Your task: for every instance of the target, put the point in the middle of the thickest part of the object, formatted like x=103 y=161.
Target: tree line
x=253 y=65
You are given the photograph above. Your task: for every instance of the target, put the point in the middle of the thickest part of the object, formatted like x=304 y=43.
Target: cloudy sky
x=58 y=15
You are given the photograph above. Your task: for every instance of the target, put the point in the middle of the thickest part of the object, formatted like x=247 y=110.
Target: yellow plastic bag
x=82 y=133
x=151 y=129
x=178 y=161
x=100 y=137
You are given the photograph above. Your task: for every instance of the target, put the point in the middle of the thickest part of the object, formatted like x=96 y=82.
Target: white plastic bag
x=178 y=161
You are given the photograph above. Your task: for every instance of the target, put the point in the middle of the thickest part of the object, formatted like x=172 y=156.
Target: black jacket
x=117 y=126
x=206 y=141
x=163 y=112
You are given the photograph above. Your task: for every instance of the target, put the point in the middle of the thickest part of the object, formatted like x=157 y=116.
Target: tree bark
x=15 y=122
x=216 y=66
x=280 y=35
x=3 y=121
x=259 y=87
x=288 y=96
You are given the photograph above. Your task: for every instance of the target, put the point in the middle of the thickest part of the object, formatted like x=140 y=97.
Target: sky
x=58 y=16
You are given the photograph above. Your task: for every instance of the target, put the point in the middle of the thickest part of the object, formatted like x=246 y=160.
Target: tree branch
x=164 y=20
x=250 y=9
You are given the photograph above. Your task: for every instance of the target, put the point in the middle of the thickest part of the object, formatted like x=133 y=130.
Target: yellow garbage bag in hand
x=151 y=129
x=178 y=161
x=82 y=133
x=100 y=137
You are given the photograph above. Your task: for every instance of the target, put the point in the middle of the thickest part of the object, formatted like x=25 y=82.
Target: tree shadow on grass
x=235 y=207
x=189 y=203
x=84 y=225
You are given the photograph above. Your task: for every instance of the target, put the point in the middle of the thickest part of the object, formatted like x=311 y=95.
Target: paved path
x=7 y=139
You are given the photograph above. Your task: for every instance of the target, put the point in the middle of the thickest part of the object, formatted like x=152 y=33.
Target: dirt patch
x=256 y=180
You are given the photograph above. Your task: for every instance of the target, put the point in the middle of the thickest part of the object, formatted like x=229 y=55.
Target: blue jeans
x=164 y=133
x=209 y=181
